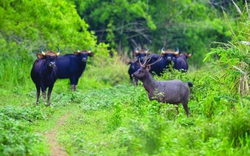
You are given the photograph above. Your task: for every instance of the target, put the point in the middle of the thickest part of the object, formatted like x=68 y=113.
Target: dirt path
x=55 y=148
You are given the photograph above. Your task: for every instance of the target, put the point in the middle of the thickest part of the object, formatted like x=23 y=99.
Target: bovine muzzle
x=169 y=58
x=84 y=60
x=52 y=64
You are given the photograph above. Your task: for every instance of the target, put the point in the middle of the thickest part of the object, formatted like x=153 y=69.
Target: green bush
x=17 y=138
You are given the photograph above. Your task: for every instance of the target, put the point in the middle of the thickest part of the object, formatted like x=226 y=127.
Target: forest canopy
x=120 y=25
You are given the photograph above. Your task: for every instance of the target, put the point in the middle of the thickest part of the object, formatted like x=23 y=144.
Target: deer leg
x=159 y=107
x=177 y=109
x=185 y=106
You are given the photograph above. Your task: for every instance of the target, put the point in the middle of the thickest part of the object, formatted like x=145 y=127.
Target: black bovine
x=72 y=66
x=44 y=73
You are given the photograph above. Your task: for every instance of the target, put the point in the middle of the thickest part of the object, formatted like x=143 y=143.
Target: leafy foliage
x=56 y=23
x=17 y=137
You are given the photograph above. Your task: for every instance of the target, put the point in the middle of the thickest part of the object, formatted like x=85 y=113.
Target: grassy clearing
x=133 y=126
x=106 y=118
x=121 y=121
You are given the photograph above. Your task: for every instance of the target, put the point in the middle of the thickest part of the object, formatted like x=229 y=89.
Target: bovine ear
x=189 y=55
x=91 y=54
x=76 y=53
x=128 y=62
x=148 y=68
x=39 y=56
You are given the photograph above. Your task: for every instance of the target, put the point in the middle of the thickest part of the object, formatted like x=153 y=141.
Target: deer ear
x=148 y=68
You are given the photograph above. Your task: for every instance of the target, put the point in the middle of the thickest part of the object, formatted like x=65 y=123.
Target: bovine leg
x=49 y=94
x=43 y=92
x=73 y=82
x=37 y=93
x=44 y=96
x=73 y=87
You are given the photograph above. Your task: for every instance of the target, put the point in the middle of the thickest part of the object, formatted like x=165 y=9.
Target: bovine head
x=49 y=56
x=169 y=54
x=84 y=54
x=141 y=54
x=134 y=65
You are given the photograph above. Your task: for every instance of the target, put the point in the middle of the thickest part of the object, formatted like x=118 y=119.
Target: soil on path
x=55 y=148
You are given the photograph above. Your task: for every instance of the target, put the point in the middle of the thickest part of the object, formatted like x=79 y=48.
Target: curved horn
x=136 y=50
x=177 y=50
x=176 y=53
x=147 y=50
x=58 y=49
x=41 y=50
x=190 y=54
x=90 y=49
x=77 y=50
x=162 y=50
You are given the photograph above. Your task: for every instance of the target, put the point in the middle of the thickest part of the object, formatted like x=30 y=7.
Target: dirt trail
x=55 y=148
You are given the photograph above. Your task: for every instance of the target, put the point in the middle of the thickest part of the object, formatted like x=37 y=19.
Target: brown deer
x=172 y=91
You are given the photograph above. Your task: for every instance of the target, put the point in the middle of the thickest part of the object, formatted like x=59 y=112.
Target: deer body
x=172 y=91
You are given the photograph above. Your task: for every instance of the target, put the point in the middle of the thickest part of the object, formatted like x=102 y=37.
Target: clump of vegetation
x=17 y=136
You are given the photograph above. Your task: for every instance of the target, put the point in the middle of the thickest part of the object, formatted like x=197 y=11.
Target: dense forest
x=107 y=115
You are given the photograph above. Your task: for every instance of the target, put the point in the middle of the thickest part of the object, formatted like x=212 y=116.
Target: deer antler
x=148 y=60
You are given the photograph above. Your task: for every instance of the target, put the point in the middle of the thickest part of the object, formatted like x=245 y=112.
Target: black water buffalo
x=180 y=63
x=140 y=54
x=72 y=66
x=44 y=73
x=168 y=58
x=134 y=65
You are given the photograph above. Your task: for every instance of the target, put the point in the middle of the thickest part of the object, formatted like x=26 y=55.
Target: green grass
x=121 y=121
